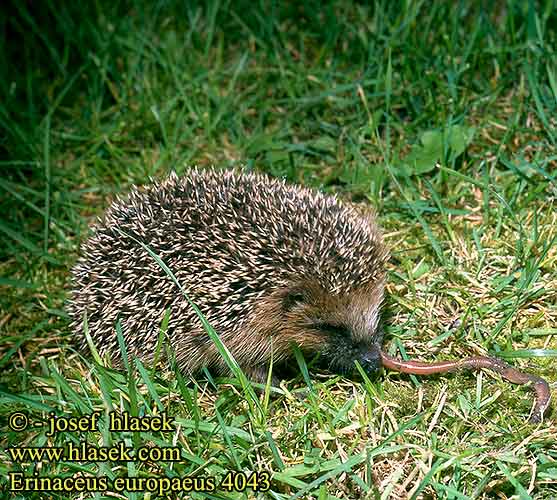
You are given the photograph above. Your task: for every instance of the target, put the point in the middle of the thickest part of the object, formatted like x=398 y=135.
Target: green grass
x=439 y=114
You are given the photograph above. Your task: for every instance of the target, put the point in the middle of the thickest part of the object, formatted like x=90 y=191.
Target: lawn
x=439 y=115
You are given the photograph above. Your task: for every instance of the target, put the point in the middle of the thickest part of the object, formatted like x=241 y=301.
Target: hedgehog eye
x=337 y=330
x=291 y=299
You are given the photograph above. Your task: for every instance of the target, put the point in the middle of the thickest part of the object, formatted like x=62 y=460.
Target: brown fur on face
x=341 y=328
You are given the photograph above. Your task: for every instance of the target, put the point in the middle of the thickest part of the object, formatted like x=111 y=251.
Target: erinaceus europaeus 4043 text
x=269 y=264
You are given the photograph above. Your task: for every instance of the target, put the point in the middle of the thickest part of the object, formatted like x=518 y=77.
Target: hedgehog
x=269 y=264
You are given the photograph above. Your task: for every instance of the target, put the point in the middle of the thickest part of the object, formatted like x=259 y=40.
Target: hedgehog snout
x=370 y=360
x=341 y=350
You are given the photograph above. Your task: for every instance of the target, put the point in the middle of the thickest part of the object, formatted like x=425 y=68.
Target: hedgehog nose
x=370 y=361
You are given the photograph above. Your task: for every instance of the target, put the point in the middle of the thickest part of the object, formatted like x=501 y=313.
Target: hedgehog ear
x=292 y=297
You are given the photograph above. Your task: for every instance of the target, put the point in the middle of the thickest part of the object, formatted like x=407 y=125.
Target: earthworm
x=539 y=385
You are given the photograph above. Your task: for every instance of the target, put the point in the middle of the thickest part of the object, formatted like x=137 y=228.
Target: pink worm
x=539 y=385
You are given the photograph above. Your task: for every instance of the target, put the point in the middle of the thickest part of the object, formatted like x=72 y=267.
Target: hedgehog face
x=342 y=328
